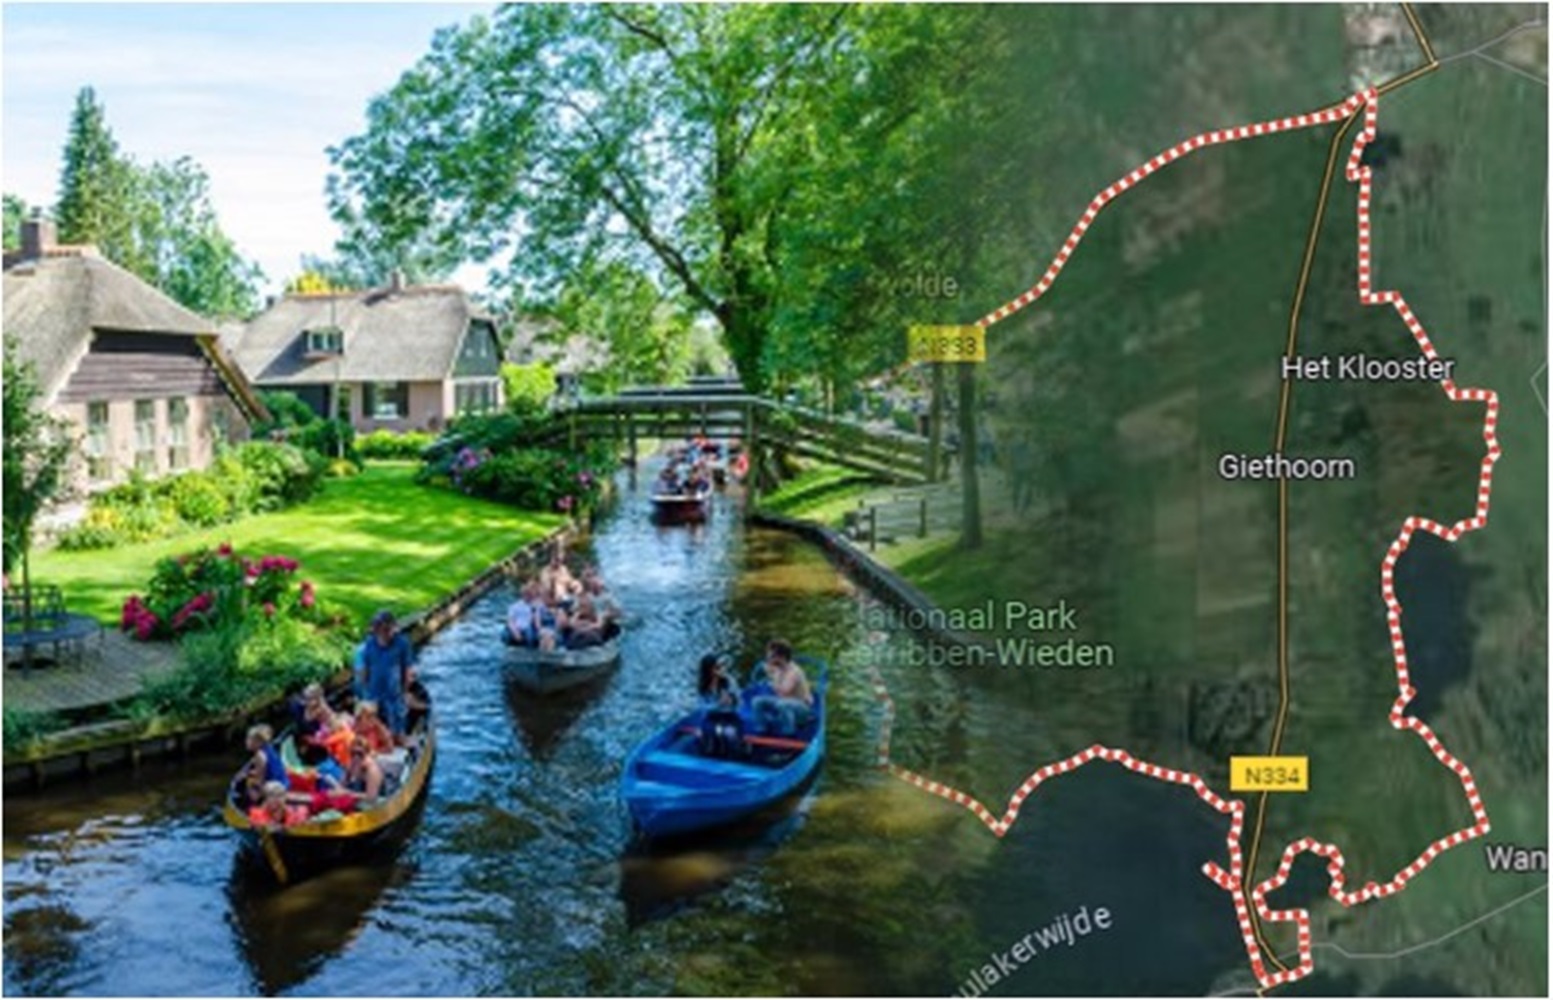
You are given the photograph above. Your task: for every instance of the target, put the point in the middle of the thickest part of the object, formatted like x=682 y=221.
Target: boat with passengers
x=313 y=829
x=719 y=764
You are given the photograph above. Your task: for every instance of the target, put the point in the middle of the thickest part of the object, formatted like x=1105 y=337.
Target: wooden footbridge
x=721 y=409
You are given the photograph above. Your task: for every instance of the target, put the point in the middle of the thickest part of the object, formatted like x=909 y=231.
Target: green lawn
x=373 y=540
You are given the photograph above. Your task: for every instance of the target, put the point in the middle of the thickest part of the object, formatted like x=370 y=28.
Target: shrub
x=281 y=474
x=386 y=444
x=528 y=387
x=25 y=727
x=101 y=528
x=213 y=588
x=199 y=500
x=254 y=477
x=240 y=663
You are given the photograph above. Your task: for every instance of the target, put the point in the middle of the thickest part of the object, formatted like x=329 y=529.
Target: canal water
x=522 y=879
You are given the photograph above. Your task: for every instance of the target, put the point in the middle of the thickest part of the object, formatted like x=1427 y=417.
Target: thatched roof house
x=399 y=356
x=145 y=380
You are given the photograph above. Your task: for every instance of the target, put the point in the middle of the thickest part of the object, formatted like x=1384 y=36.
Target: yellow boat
x=334 y=838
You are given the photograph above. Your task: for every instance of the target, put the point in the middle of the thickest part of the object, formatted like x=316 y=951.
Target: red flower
x=224 y=549
x=269 y=609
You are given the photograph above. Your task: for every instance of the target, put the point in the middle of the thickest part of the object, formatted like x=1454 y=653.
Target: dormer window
x=323 y=342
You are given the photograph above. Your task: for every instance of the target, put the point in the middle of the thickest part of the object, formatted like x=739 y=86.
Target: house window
x=145 y=435
x=342 y=403
x=474 y=397
x=325 y=340
x=387 y=400
x=99 y=457
x=177 y=433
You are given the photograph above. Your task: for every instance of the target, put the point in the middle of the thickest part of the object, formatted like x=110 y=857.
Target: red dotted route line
x=1232 y=880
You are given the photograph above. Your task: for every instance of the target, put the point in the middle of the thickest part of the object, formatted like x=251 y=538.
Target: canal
x=521 y=878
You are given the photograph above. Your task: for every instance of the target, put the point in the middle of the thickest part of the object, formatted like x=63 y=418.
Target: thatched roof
x=53 y=305
x=410 y=335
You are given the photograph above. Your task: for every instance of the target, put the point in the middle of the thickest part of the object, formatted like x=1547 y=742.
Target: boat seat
x=659 y=764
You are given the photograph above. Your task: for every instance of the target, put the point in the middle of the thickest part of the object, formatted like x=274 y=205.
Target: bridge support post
x=631 y=438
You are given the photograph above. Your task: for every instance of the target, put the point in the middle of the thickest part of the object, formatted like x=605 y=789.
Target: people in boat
x=791 y=703
x=311 y=711
x=274 y=810
x=363 y=774
x=387 y=657
x=337 y=740
x=668 y=480
x=715 y=685
x=265 y=765
x=556 y=583
x=523 y=616
x=609 y=609
x=582 y=628
x=369 y=727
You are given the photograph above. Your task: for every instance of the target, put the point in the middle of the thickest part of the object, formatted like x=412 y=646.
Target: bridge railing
x=686 y=411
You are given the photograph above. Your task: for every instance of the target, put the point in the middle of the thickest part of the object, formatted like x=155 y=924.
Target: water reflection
x=285 y=933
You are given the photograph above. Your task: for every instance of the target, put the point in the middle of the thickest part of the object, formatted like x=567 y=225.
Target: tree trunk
x=935 y=426
x=970 y=487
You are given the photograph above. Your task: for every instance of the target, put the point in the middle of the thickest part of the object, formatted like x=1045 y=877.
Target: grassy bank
x=369 y=541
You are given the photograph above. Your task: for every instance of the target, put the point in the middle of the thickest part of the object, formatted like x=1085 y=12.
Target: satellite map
x=775 y=500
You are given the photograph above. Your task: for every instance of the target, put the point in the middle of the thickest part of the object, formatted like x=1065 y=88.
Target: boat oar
x=272 y=855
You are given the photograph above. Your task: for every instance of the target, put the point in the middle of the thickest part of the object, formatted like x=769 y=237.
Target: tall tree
x=192 y=259
x=643 y=134
x=156 y=221
x=98 y=188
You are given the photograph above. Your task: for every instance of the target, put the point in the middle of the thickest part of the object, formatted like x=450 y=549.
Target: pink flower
x=307 y=599
x=565 y=503
x=269 y=609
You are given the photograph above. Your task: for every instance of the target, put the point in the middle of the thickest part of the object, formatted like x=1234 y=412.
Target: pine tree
x=96 y=187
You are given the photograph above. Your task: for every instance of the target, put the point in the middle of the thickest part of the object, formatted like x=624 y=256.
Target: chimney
x=38 y=237
x=396 y=280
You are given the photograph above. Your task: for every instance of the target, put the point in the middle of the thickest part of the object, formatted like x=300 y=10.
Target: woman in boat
x=714 y=685
x=274 y=810
x=369 y=727
x=363 y=775
x=265 y=766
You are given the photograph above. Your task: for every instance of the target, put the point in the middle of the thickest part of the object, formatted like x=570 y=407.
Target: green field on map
x=1156 y=352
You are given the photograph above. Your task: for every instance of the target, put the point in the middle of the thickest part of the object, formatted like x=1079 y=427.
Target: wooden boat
x=681 y=508
x=671 y=785
x=293 y=852
x=544 y=672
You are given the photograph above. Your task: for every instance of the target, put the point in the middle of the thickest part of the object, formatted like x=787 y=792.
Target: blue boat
x=710 y=768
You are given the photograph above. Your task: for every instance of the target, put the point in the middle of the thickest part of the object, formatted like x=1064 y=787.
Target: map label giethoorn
x=946 y=343
x=1269 y=774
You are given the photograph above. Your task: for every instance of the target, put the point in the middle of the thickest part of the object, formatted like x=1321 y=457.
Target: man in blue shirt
x=386 y=658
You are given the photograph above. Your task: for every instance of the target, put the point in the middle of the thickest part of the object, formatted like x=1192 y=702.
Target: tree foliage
x=36 y=457
x=156 y=221
x=16 y=210
x=778 y=167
